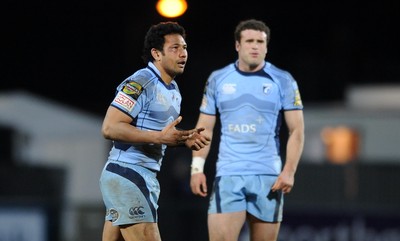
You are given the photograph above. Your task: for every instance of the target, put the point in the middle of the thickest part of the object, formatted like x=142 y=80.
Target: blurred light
x=171 y=8
x=342 y=144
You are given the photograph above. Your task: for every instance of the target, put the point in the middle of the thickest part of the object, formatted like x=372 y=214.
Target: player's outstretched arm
x=117 y=126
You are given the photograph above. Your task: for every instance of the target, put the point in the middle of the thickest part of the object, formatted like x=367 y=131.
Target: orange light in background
x=171 y=8
x=342 y=144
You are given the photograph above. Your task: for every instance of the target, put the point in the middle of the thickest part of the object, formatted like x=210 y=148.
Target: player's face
x=252 y=50
x=174 y=55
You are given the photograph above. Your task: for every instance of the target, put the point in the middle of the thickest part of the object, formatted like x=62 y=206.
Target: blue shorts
x=251 y=193
x=130 y=193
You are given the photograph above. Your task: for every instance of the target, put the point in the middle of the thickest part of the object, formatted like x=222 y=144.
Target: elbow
x=106 y=132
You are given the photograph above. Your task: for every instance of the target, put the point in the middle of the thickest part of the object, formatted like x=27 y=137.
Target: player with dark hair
x=141 y=123
x=252 y=97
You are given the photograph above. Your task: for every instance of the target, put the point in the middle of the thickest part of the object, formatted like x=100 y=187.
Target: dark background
x=77 y=52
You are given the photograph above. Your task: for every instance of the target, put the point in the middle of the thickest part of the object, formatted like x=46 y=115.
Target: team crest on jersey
x=125 y=101
x=267 y=88
x=161 y=99
x=132 y=89
x=228 y=88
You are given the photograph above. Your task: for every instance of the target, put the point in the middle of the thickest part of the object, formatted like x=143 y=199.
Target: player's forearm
x=127 y=133
x=199 y=158
x=203 y=153
x=294 y=150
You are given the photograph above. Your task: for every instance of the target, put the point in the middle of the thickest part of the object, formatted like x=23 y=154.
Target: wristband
x=197 y=165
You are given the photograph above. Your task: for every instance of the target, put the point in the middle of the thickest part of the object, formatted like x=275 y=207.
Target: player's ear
x=237 y=46
x=156 y=54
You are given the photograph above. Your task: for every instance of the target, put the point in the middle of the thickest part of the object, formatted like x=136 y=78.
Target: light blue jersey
x=250 y=107
x=153 y=105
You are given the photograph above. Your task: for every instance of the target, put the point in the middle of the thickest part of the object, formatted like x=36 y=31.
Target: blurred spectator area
x=51 y=157
x=367 y=125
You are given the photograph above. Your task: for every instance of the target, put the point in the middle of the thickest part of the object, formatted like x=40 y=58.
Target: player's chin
x=180 y=70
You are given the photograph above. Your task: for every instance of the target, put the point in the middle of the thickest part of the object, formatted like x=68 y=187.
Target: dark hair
x=155 y=37
x=252 y=24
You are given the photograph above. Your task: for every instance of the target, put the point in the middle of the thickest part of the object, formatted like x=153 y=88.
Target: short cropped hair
x=252 y=24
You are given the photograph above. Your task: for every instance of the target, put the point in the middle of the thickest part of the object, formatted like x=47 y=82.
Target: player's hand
x=198 y=184
x=197 y=141
x=284 y=182
x=173 y=137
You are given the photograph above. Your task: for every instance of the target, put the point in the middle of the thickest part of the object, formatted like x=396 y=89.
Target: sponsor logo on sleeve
x=204 y=102
x=297 y=99
x=125 y=101
x=132 y=89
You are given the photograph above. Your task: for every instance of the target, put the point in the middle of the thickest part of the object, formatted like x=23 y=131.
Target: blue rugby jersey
x=153 y=105
x=251 y=107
